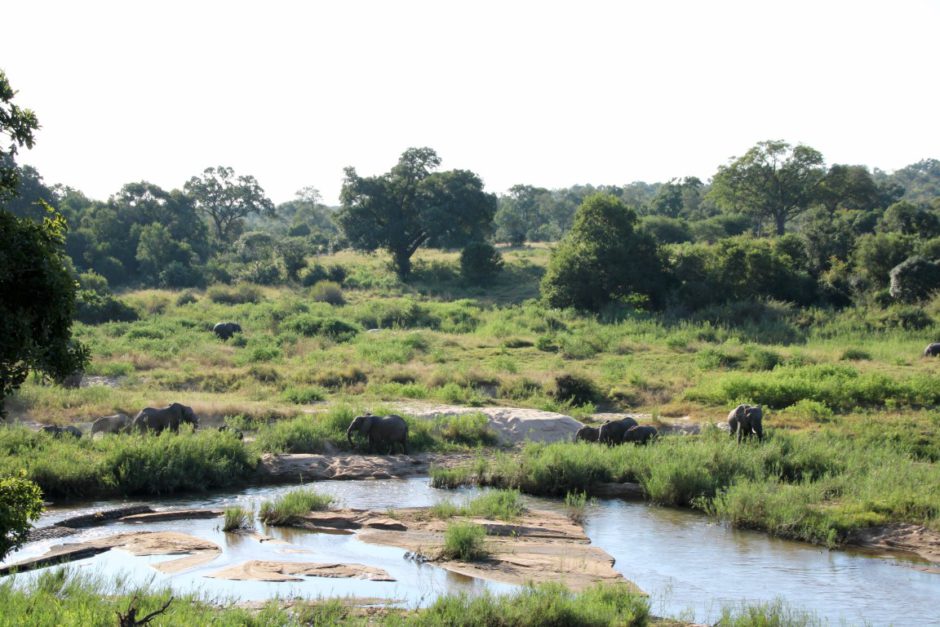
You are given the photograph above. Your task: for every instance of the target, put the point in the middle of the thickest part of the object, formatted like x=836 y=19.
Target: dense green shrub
x=480 y=262
x=241 y=293
x=293 y=504
x=327 y=292
x=95 y=308
x=20 y=505
x=915 y=279
x=575 y=389
x=464 y=541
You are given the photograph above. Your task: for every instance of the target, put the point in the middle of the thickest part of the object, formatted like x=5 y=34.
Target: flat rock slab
x=197 y=550
x=258 y=570
x=539 y=546
x=171 y=514
x=317 y=467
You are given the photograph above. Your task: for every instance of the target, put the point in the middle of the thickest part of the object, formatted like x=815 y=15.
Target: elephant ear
x=367 y=421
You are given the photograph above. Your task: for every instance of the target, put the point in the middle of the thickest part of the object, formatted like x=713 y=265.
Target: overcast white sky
x=546 y=93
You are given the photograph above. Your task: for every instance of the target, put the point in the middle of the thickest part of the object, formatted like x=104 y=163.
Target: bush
x=575 y=389
x=303 y=395
x=94 y=308
x=480 y=261
x=464 y=541
x=20 y=504
x=855 y=354
x=238 y=295
x=310 y=325
x=93 y=282
x=293 y=504
x=327 y=292
x=186 y=298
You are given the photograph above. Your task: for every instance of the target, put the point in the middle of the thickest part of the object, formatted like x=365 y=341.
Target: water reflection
x=690 y=565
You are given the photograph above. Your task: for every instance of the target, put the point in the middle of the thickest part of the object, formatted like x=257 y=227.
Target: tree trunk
x=781 y=219
x=402 y=263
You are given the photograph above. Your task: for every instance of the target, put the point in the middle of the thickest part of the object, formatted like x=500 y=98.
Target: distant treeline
x=774 y=223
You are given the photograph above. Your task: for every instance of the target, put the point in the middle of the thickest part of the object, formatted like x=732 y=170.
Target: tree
x=915 y=279
x=876 y=254
x=411 y=206
x=38 y=293
x=226 y=200
x=848 y=187
x=18 y=125
x=20 y=503
x=38 y=303
x=603 y=259
x=771 y=181
x=910 y=219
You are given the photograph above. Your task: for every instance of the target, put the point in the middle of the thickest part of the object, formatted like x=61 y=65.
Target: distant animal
x=745 y=421
x=380 y=431
x=225 y=330
x=588 y=434
x=932 y=350
x=643 y=434
x=72 y=381
x=611 y=432
x=118 y=423
x=236 y=432
x=156 y=420
x=57 y=431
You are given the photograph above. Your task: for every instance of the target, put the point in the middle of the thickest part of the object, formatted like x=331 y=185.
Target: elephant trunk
x=349 y=435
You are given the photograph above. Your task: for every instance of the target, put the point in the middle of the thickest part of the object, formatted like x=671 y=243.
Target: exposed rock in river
x=907 y=538
x=258 y=570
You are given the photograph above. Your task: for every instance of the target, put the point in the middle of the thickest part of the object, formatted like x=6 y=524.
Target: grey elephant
x=236 y=432
x=642 y=434
x=118 y=423
x=169 y=417
x=380 y=431
x=225 y=330
x=611 y=432
x=932 y=350
x=586 y=433
x=746 y=420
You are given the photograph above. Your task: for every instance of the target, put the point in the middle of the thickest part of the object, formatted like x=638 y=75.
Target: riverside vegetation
x=850 y=400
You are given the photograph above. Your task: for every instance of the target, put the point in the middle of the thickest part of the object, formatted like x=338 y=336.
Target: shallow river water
x=689 y=565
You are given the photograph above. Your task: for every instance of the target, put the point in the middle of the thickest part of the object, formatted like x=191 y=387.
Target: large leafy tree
x=412 y=206
x=848 y=187
x=603 y=259
x=20 y=504
x=37 y=293
x=772 y=181
x=226 y=200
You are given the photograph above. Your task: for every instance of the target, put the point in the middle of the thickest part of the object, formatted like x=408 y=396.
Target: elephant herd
x=147 y=420
x=618 y=432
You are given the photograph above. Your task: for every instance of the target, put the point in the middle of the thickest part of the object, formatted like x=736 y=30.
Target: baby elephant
x=932 y=350
x=640 y=434
x=745 y=421
x=118 y=423
x=225 y=330
x=57 y=431
x=611 y=432
x=588 y=434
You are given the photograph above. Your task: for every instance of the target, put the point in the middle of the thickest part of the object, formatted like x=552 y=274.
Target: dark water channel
x=690 y=566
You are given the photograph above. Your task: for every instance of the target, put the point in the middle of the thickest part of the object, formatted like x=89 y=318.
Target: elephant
x=588 y=434
x=225 y=330
x=118 y=423
x=380 y=430
x=640 y=434
x=932 y=350
x=57 y=431
x=169 y=417
x=745 y=420
x=611 y=432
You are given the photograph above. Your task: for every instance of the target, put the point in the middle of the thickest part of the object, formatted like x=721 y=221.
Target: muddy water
x=690 y=566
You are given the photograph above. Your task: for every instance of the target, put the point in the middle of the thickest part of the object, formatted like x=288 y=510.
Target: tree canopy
x=412 y=205
x=772 y=181
x=17 y=126
x=226 y=200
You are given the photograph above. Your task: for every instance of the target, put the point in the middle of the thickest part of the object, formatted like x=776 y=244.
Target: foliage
x=411 y=206
x=227 y=200
x=92 y=307
x=464 y=541
x=18 y=125
x=241 y=293
x=293 y=504
x=480 y=262
x=575 y=506
x=20 y=504
x=603 y=259
x=327 y=292
x=238 y=519
x=38 y=303
x=772 y=181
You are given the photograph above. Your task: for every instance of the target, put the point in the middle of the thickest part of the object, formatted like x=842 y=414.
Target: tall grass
x=126 y=465
x=464 y=541
x=810 y=486
x=496 y=504
x=292 y=505
x=238 y=519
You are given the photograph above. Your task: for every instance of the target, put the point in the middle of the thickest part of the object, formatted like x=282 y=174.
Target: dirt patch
x=258 y=570
x=539 y=547
x=915 y=539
